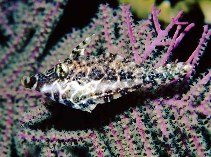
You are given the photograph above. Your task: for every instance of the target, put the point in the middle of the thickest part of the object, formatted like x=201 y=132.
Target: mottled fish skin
x=82 y=83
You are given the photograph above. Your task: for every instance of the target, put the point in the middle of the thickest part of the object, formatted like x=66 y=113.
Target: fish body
x=84 y=82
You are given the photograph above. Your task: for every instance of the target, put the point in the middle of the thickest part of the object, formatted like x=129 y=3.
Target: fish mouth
x=29 y=82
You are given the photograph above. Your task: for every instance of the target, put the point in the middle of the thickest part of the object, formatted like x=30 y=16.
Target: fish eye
x=61 y=70
x=28 y=82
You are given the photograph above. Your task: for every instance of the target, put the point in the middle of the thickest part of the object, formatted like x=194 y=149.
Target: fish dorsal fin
x=79 y=50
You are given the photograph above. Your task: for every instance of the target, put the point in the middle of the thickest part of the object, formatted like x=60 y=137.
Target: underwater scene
x=106 y=78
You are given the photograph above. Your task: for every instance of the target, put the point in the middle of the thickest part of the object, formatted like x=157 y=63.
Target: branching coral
x=175 y=121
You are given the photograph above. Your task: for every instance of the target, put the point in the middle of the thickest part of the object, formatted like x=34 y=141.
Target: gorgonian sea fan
x=25 y=27
x=162 y=124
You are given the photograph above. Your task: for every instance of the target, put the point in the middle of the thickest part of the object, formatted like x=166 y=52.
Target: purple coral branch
x=199 y=84
x=141 y=131
x=170 y=48
x=182 y=34
x=174 y=21
x=160 y=118
x=161 y=34
x=96 y=144
x=13 y=48
x=8 y=125
x=14 y=75
x=51 y=136
x=194 y=92
x=38 y=112
x=4 y=21
x=199 y=50
x=21 y=91
x=174 y=43
x=127 y=135
x=162 y=123
x=203 y=107
x=155 y=13
x=118 y=142
x=186 y=102
x=193 y=134
x=197 y=53
x=106 y=27
x=189 y=129
x=47 y=23
x=126 y=11
x=5 y=25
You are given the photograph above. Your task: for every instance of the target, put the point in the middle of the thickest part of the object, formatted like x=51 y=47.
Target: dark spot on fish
x=87 y=103
x=48 y=95
x=90 y=101
x=98 y=93
x=79 y=75
x=68 y=103
x=130 y=75
x=56 y=96
x=84 y=42
x=136 y=86
x=110 y=74
x=68 y=60
x=76 y=99
x=108 y=91
x=112 y=57
x=122 y=75
x=125 y=75
x=108 y=98
x=124 y=91
x=96 y=74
